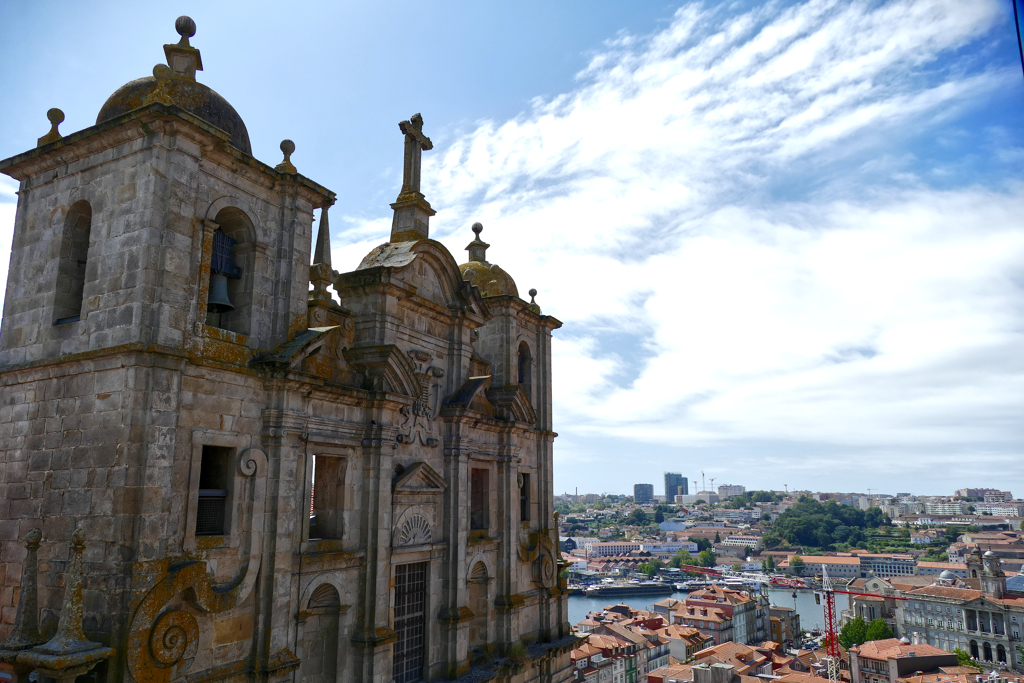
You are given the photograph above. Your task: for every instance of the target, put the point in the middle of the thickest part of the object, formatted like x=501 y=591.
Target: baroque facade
x=235 y=474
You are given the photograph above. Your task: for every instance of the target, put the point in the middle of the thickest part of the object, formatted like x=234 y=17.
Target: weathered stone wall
x=103 y=423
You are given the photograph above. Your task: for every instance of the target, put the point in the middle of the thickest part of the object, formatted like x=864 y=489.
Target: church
x=221 y=459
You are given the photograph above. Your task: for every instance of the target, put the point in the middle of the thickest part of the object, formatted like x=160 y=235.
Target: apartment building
x=884 y=661
x=985 y=621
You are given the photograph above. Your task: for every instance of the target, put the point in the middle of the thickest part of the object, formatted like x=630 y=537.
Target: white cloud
x=874 y=315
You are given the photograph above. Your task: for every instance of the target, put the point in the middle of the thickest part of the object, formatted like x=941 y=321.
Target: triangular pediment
x=419 y=478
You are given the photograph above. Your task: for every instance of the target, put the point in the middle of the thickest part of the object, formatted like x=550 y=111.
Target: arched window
x=74 y=251
x=320 y=636
x=974 y=649
x=478 y=604
x=526 y=369
x=1000 y=653
x=987 y=648
x=230 y=298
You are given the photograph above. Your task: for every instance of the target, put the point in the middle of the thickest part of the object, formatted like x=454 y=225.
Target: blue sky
x=785 y=238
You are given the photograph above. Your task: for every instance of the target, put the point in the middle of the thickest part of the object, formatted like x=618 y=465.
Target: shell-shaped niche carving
x=415 y=531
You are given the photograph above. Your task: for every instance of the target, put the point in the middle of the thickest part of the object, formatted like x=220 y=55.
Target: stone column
x=372 y=633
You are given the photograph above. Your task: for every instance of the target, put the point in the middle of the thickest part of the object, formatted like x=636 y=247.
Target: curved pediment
x=428 y=266
x=511 y=403
x=386 y=368
x=317 y=351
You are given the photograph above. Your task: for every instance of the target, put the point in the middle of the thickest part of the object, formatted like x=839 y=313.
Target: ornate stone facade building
x=259 y=479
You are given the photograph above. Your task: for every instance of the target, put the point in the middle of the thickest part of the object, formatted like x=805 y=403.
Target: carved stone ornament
x=162 y=642
x=419 y=419
x=415 y=531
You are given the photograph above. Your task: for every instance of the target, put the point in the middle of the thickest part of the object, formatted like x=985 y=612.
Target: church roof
x=176 y=84
x=490 y=278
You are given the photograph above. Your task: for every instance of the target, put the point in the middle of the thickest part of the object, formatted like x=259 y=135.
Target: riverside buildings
x=266 y=480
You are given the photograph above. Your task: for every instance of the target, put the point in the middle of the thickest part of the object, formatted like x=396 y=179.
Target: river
x=811 y=615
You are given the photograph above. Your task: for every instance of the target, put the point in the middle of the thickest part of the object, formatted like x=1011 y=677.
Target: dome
x=490 y=278
x=190 y=95
x=176 y=84
x=947 y=575
x=989 y=554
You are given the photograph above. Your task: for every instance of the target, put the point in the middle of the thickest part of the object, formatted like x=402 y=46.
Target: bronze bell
x=218 y=301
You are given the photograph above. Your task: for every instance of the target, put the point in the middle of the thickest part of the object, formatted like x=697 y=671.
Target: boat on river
x=630 y=588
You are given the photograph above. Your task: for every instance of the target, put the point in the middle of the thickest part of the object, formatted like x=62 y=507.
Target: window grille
x=210 y=512
x=410 y=622
x=212 y=505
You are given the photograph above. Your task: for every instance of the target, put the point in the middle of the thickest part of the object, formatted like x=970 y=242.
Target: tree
x=659 y=516
x=702 y=543
x=707 y=558
x=680 y=558
x=718 y=537
x=796 y=563
x=878 y=630
x=651 y=567
x=637 y=517
x=855 y=632
x=768 y=564
x=964 y=659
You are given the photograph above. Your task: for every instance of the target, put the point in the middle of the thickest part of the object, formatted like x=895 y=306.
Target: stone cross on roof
x=415 y=143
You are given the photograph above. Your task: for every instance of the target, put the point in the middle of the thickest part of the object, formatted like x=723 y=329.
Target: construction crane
x=833 y=656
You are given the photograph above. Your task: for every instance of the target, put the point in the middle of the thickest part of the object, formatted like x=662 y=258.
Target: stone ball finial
x=286 y=166
x=34 y=537
x=185 y=26
x=478 y=228
x=78 y=539
x=55 y=117
x=533 y=293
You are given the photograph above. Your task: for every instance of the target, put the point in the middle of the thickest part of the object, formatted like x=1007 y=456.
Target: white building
x=611 y=548
x=730 y=490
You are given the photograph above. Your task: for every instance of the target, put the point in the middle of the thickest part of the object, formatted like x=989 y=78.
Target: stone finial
x=68 y=654
x=186 y=28
x=321 y=275
x=533 y=302
x=477 y=248
x=55 y=117
x=286 y=166
x=69 y=637
x=183 y=59
x=25 y=633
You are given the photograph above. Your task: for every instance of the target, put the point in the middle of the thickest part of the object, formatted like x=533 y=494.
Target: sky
x=786 y=239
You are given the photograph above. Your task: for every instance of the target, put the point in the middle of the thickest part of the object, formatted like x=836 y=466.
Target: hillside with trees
x=816 y=525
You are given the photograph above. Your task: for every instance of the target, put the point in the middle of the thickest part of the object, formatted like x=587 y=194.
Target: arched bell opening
x=232 y=262
x=71 y=272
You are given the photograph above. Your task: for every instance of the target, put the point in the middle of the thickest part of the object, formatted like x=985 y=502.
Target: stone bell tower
x=127 y=368
x=212 y=468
